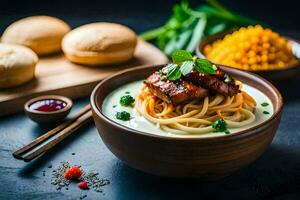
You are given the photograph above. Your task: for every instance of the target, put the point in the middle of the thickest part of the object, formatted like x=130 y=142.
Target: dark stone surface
x=276 y=175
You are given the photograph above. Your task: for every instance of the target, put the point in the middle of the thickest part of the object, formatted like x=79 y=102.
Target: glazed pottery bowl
x=288 y=72
x=201 y=158
x=43 y=117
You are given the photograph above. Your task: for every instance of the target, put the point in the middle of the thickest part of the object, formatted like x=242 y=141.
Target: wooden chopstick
x=62 y=135
x=65 y=129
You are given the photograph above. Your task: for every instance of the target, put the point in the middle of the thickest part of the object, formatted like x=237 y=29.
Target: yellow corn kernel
x=264 y=58
x=266 y=45
x=252 y=61
x=251 y=48
x=251 y=54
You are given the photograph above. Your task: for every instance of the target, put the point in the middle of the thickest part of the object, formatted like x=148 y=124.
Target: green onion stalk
x=186 y=27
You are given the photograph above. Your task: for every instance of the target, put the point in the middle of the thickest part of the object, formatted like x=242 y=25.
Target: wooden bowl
x=48 y=117
x=288 y=72
x=202 y=158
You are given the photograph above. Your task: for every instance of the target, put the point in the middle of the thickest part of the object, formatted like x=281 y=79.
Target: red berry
x=73 y=173
x=83 y=185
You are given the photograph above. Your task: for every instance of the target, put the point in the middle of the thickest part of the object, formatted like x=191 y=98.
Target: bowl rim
x=62 y=98
x=222 y=34
x=236 y=135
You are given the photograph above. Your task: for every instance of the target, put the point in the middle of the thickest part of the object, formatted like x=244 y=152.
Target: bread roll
x=17 y=65
x=100 y=44
x=43 y=34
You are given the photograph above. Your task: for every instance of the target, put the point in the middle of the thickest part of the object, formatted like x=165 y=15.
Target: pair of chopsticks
x=51 y=138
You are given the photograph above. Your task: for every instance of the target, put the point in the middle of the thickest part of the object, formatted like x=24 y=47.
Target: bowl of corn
x=256 y=49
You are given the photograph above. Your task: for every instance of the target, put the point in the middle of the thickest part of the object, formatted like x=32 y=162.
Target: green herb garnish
x=173 y=72
x=266 y=112
x=114 y=106
x=186 y=67
x=264 y=104
x=125 y=116
x=187 y=26
x=127 y=92
x=126 y=100
x=181 y=55
x=220 y=126
x=205 y=66
x=184 y=63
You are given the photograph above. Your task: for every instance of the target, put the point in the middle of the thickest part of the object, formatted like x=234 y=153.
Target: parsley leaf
x=186 y=67
x=126 y=100
x=124 y=116
x=220 y=126
x=181 y=55
x=184 y=63
x=204 y=66
x=173 y=72
x=266 y=112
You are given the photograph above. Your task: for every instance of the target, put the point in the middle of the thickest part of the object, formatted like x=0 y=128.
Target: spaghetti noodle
x=196 y=117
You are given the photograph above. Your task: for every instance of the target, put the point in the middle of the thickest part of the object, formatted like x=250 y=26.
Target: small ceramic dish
x=48 y=108
x=288 y=72
x=207 y=158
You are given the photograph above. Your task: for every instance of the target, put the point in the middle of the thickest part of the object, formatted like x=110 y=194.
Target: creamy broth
x=111 y=106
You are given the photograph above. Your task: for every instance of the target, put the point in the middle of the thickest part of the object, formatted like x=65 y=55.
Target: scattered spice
x=264 y=104
x=58 y=176
x=87 y=180
x=95 y=182
x=266 y=112
x=83 y=185
x=73 y=173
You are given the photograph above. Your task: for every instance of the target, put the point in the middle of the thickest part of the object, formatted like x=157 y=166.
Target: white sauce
x=111 y=106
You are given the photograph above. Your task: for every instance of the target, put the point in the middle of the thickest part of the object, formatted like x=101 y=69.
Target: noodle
x=196 y=117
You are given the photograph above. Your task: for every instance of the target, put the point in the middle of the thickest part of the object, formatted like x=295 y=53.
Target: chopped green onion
x=264 y=104
x=187 y=26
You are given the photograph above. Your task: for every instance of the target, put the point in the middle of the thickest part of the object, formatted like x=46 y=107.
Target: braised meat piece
x=175 y=92
x=220 y=83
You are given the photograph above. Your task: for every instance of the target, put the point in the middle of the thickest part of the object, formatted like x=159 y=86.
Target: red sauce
x=48 y=105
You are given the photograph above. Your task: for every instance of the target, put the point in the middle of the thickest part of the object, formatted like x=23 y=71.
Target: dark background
x=276 y=175
x=145 y=14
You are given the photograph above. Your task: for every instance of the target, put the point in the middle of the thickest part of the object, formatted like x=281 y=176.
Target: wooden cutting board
x=56 y=75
